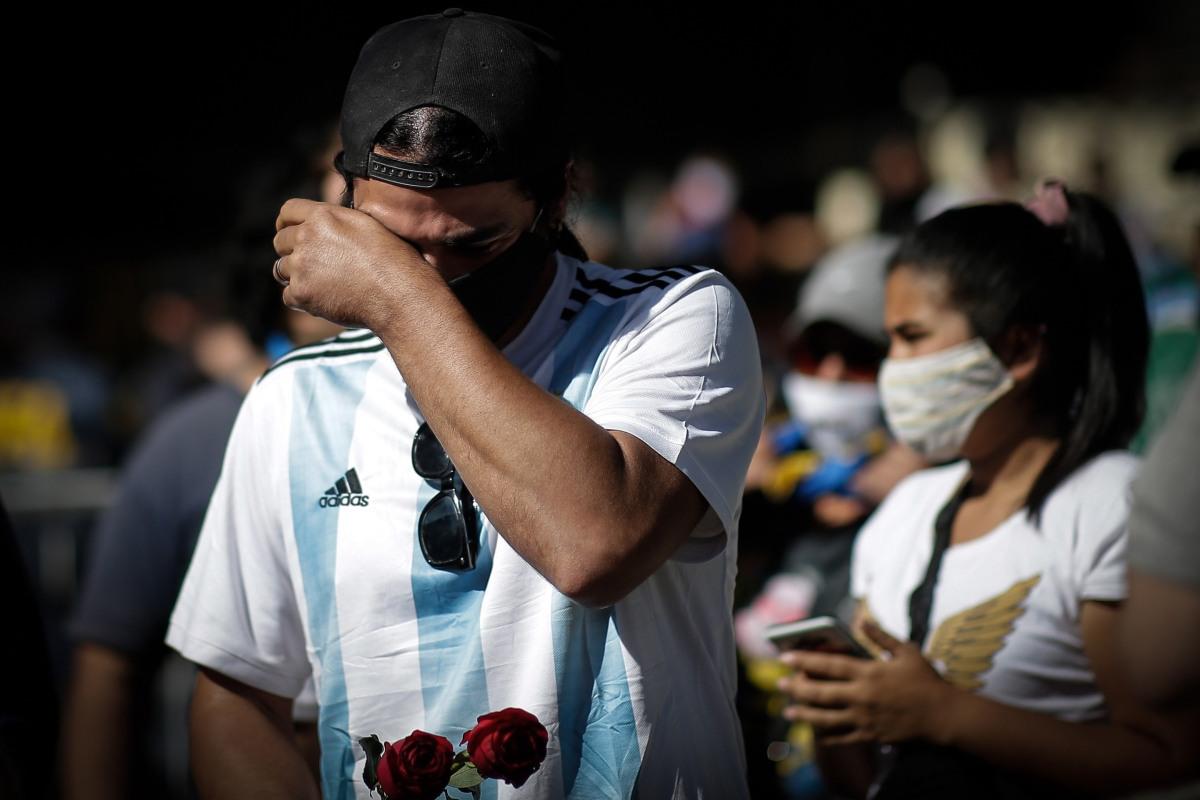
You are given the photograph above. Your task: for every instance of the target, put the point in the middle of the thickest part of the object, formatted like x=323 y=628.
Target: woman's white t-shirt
x=1005 y=620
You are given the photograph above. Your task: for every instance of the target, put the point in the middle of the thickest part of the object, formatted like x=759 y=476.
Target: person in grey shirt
x=1162 y=615
x=143 y=545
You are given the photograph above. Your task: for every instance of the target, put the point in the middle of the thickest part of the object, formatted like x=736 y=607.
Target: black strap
x=919 y=770
x=920 y=602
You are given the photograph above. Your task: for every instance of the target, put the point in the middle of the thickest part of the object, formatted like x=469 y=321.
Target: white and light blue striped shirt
x=308 y=563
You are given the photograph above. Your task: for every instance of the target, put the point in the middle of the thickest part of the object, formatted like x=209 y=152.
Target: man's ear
x=1022 y=350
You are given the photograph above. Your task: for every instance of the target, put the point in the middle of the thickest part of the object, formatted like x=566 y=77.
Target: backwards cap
x=504 y=76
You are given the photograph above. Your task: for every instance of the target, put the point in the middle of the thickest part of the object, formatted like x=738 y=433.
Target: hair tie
x=1049 y=203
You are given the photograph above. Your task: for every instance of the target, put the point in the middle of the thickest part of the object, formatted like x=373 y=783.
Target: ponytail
x=1106 y=406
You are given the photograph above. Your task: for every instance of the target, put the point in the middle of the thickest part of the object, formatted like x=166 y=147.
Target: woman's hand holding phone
x=849 y=699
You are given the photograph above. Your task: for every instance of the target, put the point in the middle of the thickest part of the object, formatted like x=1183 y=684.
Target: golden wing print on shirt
x=963 y=646
x=863 y=614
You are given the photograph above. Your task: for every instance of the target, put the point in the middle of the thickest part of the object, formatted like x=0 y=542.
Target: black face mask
x=496 y=293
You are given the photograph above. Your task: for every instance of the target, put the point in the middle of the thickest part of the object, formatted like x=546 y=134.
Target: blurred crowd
x=805 y=238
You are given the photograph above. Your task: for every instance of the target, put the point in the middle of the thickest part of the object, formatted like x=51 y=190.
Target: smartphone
x=824 y=634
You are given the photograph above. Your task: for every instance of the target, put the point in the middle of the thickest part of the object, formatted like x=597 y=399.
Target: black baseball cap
x=503 y=75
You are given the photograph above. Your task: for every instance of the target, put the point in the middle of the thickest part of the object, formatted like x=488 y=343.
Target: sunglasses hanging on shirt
x=448 y=528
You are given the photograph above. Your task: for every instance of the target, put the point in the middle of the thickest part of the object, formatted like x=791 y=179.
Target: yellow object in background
x=35 y=426
x=790 y=470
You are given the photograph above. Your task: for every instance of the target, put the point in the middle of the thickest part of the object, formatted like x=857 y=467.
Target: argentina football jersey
x=310 y=562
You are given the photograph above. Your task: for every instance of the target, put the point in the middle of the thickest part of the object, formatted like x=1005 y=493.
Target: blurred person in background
x=686 y=223
x=172 y=315
x=770 y=245
x=831 y=462
x=1174 y=304
x=54 y=391
x=907 y=192
x=1159 y=620
x=991 y=585
x=902 y=176
x=819 y=473
x=141 y=549
x=28 y=696
x=143 y=542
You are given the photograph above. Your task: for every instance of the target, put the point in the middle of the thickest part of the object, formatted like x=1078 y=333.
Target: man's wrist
x=403 y=296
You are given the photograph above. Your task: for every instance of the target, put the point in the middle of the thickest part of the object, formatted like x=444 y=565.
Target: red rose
x=509 y=744
x=415 y=768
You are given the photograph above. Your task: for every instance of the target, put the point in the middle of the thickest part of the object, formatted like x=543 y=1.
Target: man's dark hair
x=440 y=137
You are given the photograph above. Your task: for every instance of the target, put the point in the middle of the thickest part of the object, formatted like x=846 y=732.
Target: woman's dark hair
x=444 y=138
x=1079 y=284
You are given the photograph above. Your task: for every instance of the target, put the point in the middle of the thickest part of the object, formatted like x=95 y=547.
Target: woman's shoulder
x=1096 y=494
x=905 y=515
x=1100 y=477
x=923 y=492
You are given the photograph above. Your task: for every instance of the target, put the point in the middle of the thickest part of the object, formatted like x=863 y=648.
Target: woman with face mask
x=988 y=587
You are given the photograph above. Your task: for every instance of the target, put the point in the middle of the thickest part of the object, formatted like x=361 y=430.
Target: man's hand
x=850 y=700
x=343 y=265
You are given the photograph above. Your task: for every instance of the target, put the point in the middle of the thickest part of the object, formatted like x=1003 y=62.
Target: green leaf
x=463 y=775
x=374 y=750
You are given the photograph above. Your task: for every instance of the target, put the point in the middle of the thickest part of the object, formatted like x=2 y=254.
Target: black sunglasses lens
x=442 y=530
x=428 y=457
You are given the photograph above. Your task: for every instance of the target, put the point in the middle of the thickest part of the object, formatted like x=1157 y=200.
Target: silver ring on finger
x=282 y=281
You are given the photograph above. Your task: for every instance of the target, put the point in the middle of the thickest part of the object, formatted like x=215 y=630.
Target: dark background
x=152 y=148
x=139 y=128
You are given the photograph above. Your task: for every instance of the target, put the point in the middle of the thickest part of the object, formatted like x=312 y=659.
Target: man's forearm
x=540 y=468
x=242 y=744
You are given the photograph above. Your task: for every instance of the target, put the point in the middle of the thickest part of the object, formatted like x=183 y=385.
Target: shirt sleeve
x=1102 y=538
x=305 y=707
x=1103 y=575
x=688 y=383
x=132 y=574
x=144 y=540
x=237 y=612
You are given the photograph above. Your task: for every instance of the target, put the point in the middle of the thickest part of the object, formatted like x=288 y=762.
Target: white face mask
x=931 y=402
x=837 y=415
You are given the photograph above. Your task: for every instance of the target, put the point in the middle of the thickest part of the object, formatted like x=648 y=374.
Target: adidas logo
x=347 y=491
